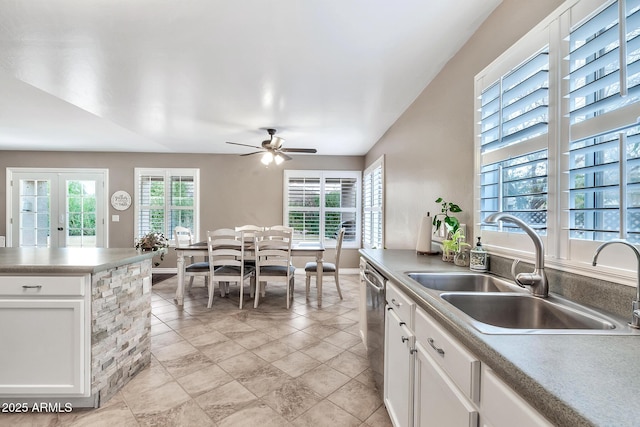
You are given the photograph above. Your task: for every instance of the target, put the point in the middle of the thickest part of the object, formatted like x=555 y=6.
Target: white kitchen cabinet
x=399 y=358
x=48 y=319
x=447 y=378
x=363 y=302
x=501 y=405
x=438 y=401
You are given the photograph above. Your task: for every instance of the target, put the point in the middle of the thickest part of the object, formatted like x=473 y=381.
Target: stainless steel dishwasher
x=376 y=285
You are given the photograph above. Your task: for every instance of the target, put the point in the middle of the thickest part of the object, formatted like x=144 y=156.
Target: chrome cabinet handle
x=405 y=339
x=32 y=286
x=394 y=302
x=433 y=346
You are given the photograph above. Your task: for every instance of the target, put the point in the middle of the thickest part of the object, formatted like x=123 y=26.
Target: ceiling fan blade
x=249 y=154
x=284 y=155
x=243 y=145
x=299 y=150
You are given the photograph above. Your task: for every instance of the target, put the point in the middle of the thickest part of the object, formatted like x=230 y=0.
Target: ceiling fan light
x=279 y=159
x=267 y=158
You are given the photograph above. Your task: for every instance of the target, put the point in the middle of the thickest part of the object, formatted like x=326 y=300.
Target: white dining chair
x=226 y=250
x=184 y=237
x=327 y=267
x=273 y=262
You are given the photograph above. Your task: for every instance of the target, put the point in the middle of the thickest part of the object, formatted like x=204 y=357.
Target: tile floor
x=228 y=367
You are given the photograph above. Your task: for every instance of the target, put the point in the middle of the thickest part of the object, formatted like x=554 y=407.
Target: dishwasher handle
x=377 y=287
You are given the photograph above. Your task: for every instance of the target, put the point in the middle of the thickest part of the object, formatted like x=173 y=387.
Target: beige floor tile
x=319 y=330
x=292 y=399
x=251 y=339
x=220 y=351
x=380 y=418
x=167 y=338
x=342 y=339
x=357 y=399
x=205 y=379
x=242 y=365
x=159 y=399
x=208 y=338
x=186 y=414
x=225 y=400
x=148 y=379
x=273 y=351
x=159 y=328
x=183 y=323
x=326 y=413
x=324 y=380
x=322 y=351
x=349 y=364
x=264 y=379
x=255 y=414
x=299 y=340
x=296 y=364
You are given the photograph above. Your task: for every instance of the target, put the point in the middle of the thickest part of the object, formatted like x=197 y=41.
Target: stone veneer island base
x=74 y=323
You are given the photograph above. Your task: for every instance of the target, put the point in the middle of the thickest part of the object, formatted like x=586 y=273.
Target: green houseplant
x=153 y=241
x=444 y=217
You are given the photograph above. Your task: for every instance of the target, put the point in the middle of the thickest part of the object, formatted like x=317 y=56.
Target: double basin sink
x=495 y=306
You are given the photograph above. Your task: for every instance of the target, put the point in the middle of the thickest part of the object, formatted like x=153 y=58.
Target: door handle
x=60 y=228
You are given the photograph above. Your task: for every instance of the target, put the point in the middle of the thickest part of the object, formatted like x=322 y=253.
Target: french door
x=55 y=209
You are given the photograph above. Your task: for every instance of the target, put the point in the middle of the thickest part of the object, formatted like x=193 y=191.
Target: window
x=166 y=198
x=563 y=153
x=373 y=205
x=514 y=122
x=319 y=203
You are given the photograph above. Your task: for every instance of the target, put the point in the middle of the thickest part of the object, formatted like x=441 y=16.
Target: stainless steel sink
x=522 y=313
x=463 y=282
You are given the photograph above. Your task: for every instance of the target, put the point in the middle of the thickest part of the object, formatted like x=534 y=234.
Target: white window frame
x=562 y=252
x=370 y=195
x=167 y=173
x=323 y=175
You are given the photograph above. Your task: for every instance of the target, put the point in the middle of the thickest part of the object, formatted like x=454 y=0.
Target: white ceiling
x=186 y=76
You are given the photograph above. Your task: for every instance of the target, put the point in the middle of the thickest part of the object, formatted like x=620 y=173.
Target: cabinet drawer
x=42 y=285
x=461 y=366
x=401 y=304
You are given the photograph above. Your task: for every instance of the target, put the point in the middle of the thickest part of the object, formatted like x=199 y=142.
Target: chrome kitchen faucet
x=635 y=315
x=537 y=279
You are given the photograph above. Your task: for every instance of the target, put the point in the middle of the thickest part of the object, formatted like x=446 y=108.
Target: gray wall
x=429 y=150
x=234 y=190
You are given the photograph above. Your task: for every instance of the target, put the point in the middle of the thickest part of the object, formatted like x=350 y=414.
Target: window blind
x=319 y=203
x=373 y=205
x=604 y=90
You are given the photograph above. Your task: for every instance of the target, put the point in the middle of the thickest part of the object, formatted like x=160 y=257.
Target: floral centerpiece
x=153 y=241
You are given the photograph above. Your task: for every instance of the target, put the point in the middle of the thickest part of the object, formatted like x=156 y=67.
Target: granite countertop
x=570 y=379
x=67 y=260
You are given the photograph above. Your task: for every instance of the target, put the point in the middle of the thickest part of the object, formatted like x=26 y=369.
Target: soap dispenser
x=479 y=258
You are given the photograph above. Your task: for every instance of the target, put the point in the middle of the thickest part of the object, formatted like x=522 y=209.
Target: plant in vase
x=452 y=232
x=452 y=246
x=153 y=241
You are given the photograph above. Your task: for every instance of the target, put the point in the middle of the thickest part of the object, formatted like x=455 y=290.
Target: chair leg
x=257 y=293
x=241 y=283
x=307 y=282
x=210 y=296
x=190 y=283
x=252 y=286
x=337 y=279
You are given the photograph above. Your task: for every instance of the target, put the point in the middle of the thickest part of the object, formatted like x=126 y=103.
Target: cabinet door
x=43 y=347
x=398 y=370
x=438 y=401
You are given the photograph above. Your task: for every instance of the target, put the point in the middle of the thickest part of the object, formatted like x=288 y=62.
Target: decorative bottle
x=479 y=258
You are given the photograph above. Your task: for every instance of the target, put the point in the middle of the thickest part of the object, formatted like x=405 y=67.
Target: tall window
x=373 y=205
x=166 y=198
x=570 y=164
x=319 y=203
x=514 y=122
x=604 y=148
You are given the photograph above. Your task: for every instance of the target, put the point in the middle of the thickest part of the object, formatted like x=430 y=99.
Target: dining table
x=298 y=249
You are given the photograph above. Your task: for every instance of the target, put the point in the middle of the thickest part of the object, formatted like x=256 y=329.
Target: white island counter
x=74 y=323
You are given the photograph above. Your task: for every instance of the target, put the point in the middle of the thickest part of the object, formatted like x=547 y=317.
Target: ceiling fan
x=273 y=149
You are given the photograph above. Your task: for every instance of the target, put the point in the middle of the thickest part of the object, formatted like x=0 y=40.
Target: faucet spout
x=635 y=320
x=537 y=279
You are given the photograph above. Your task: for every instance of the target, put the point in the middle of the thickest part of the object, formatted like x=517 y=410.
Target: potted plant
x=153 y=241
x=450 y=222
x=453 y=245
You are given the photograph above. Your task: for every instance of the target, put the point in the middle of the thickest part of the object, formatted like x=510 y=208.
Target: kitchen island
x=571 y=379
x=74 y=323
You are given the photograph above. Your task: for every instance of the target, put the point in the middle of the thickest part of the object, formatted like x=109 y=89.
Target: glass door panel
x=81 y=213
x=34 y=218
